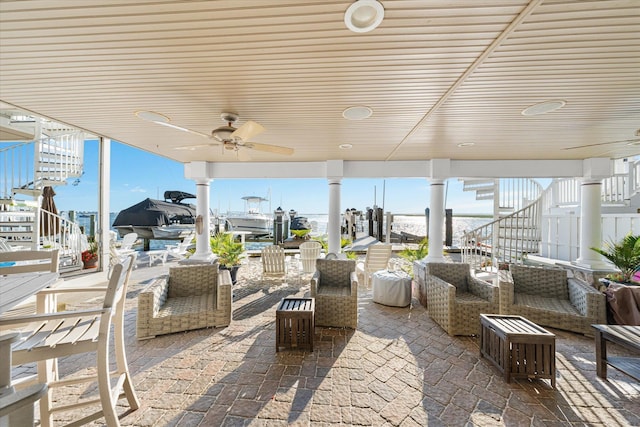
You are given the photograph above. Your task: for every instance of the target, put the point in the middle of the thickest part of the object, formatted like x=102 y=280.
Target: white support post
x=590 y=224
x=203 y=219
x=104 y=190
x=333 y=226
x=436 y=222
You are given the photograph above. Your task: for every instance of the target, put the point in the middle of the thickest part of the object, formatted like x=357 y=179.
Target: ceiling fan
x=231 y=138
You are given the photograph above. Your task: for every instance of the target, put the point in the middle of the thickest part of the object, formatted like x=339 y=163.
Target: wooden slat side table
x=518 y=347
x=295 y=323
x=624 y=335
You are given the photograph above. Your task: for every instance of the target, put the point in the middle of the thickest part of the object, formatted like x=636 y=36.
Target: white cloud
x=138 y=189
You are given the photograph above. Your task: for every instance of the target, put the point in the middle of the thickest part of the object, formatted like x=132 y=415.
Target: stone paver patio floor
x=398 y=368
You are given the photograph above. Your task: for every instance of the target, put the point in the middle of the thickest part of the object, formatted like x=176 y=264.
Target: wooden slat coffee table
x=624 y=335
x=295 y=323
x=518 y=347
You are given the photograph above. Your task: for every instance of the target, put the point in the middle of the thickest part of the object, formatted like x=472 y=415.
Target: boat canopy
x=177 y=196
x=151 y=212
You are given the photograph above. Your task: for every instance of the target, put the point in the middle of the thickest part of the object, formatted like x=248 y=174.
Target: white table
x=391 y=287
x=15 y=288
x=158 y=255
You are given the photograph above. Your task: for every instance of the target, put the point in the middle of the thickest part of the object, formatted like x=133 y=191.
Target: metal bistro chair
x=56 y=335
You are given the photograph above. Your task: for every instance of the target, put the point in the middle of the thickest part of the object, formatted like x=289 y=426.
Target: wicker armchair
x=191 y=297
x=547 y=297
x=455 y=299
x=334 y=285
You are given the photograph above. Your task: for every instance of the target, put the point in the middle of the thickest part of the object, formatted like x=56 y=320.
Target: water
x=413 y=224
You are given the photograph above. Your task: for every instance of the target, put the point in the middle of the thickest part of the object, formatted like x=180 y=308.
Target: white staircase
x=544 y=222
x=26 y=169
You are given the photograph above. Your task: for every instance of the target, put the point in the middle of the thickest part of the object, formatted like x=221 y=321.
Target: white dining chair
x=60 y=334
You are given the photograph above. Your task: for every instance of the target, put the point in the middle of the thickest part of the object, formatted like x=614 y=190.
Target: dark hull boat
x=157 y=219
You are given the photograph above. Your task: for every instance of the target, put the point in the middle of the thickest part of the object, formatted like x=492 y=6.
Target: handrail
x=505 y=240
x=17 y=167
x=56 y=232
x=35 y=164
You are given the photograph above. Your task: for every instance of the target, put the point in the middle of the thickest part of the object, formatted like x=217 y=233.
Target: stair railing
x=17 y=167
x=57 y=232
x=59 y=158
x=503 y=241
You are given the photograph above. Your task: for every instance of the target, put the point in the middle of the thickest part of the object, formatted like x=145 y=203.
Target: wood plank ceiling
x=436 y=74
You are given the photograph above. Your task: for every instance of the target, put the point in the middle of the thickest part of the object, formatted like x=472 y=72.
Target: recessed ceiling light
x=543 y=107
x=359 y=112
x=466 y=144
x=364 y=16
x=345 y=146
x=152 y=116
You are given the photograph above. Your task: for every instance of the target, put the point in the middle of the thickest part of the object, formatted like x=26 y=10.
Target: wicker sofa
x=455 y=299
x=546 y=296
x=190 y=297
x=334 y=286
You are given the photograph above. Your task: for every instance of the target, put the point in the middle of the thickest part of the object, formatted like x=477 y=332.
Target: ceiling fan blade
x=248 y=130
x=172 y=126
x=269 y=148
x=161 y=119
x=243 y=155
x=193 y=147
x=627 y=141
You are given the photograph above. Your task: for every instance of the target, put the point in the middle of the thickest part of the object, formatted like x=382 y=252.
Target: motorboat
x=252 y=220
x=168 y=219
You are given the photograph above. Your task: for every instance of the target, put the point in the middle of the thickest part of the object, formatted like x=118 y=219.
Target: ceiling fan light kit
x=364 y=16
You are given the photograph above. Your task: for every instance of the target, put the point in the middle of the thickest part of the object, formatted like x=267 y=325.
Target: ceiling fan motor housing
x=223 y=133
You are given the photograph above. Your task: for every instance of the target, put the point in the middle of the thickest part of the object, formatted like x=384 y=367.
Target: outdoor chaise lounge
x=546 y=296
x=334 y=285
x=455 y=299
x=190 y=297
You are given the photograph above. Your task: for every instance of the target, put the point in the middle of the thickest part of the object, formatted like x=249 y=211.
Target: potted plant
x=90 y=256
x=229 y=252
x=625 y=255
x=414 y=254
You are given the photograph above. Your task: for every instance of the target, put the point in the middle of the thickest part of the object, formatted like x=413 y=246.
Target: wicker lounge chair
x=546 y=296
x=455 y=299
x=334 y=285
x=191 y=297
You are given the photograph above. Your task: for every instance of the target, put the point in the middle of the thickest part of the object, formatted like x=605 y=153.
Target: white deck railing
x=537 y=229
x=56 y=232
x=30 y=166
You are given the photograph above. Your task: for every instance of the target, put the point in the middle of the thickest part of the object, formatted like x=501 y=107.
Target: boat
x=252 y=220
x=168 y=219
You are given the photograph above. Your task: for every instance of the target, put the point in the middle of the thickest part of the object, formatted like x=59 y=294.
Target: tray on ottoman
x=295 y=323
x=518 y=347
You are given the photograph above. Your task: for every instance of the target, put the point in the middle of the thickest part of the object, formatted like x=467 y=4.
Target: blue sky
x=136 y=175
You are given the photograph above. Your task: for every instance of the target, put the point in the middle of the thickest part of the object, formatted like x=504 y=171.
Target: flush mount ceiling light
x=364 y=16
x=466 y=144
x=345 y=146
x=357 y=113
x=544 y=107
